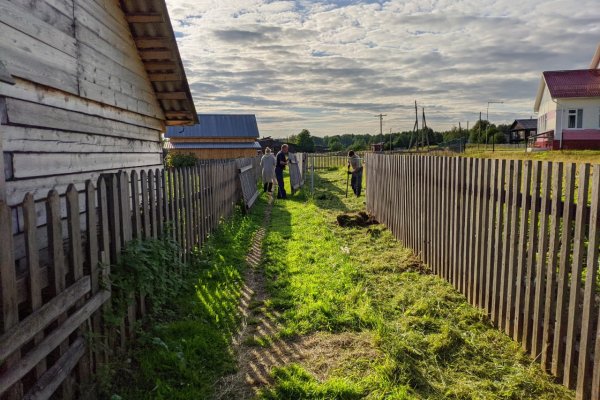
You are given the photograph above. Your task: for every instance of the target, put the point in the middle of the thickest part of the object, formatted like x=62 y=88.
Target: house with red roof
x=568 y=108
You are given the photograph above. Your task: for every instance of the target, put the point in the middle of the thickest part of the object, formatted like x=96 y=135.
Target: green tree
x=305 y=141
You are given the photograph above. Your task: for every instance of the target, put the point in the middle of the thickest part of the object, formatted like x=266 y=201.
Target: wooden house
x=216 y=136
x=522 y=129
x=87 y=87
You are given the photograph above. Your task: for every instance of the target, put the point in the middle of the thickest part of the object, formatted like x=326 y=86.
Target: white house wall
x=547 y=110
x=590 y=107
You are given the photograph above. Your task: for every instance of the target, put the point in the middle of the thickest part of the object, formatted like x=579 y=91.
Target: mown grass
x=434 y=345
x=183 y=351
x=576 y=156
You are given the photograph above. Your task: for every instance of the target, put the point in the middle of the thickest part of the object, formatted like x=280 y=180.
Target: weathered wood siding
x=82 y=104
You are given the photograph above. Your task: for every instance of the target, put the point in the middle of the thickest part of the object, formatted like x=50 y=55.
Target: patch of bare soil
x=360 y=219
x=259 y=349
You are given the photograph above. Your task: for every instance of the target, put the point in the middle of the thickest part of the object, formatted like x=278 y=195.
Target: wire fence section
x=518 y=238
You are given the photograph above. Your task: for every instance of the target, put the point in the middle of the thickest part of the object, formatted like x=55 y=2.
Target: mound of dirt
x=360 y=219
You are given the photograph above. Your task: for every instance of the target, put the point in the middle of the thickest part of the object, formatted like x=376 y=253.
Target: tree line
x=481 y=132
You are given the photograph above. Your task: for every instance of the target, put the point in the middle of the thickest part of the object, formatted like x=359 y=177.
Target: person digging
x=355 y=170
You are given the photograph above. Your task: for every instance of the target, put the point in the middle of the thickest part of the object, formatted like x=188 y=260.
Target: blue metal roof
x=218 y=125
x=221 y=145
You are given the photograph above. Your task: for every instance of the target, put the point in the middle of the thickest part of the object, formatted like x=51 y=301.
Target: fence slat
x=525 y=206
x=562 y=291
x=503 y=196
x=8 y=284
x=540 y=273
x=490 y=238
x=33 y=263
x=590 y=309
x=553 y=249
x=574 y=313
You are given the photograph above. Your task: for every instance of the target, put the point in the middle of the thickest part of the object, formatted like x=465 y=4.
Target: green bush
x=177 y=160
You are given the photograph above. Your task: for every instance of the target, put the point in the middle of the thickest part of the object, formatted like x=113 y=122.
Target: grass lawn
x=183 y=351
x=358 y=315
x=577 y=156
x=385 y=328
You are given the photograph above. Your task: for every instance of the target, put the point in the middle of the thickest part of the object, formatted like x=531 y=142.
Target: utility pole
x=380 y=116
x=487 y=117
x=425 y=130
x=391 y=141
x=479 y=136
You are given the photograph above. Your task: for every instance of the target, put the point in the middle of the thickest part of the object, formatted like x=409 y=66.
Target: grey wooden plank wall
x=518 y=238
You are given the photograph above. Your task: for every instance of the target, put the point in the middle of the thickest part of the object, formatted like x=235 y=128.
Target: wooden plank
x=170 y=66
x=26 y=330
x=178 y=114
x=156 y=54
x=177 y=223
x=10 y=310
x=60 y=371
x=511 y=248
x=482 y=238
x=562 y=294
x=5 y=76
x=33 y=263
x=135 y=206
x=29 y=165
x=589 y=305
x=41 y=95
x=152 y=203
x=524 y=237
x=52 y=340
x=475 y=263
x=170 y=95
x=29 y=58
x=20 y=112
x=144 y=18
x=505 y=227
x=20 y=19
x=574 y=313
x=103 y=219
x=542 y=260
x=456 y=218
x=532 y=250
x=152 y=42
x=145 y=204
x=57 y=13
x=491 y=243
x=124 y=200
x=159 y=202
x=27 y=139
x=75 y=245
x=550 y=302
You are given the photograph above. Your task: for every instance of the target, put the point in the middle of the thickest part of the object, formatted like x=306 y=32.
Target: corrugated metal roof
x=151 y=29
x=574 y=83
x=218 y=125
x=219 y=145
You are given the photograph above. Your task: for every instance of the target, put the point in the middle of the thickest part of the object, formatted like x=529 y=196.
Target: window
x=575 y=119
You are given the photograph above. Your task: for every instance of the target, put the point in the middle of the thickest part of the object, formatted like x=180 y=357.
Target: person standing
x=267 y=162
x=282 y=161
x=355 y=169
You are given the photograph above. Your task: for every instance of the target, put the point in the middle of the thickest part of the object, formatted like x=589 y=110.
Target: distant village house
x=522 y=129
x=568 y=107
x=216 y=136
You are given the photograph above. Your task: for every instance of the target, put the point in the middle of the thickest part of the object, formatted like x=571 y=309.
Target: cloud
x=329 y=66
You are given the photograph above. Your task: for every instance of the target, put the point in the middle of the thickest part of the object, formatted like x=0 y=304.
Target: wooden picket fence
x=324 y=161
x=51 y=304
x=518 y=238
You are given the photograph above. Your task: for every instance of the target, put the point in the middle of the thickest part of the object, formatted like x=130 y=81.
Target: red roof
x=574 y=83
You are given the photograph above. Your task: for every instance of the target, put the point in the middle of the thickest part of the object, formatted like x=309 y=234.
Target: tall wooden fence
x=518 y=238
x=50 y=303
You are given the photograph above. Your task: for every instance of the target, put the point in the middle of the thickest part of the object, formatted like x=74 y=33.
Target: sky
x=332 y=66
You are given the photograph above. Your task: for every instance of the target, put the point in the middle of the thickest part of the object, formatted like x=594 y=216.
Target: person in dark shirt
x=282 y=161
